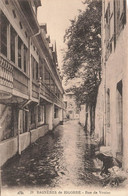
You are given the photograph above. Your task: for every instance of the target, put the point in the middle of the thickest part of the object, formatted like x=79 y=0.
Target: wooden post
x=36 y=116
x=19 y=145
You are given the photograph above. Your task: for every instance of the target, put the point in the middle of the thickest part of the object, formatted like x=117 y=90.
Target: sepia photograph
x=63 y=97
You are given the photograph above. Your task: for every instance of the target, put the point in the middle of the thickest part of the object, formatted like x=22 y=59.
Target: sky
x=57 y=13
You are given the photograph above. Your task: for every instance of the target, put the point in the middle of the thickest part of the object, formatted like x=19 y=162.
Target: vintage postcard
x=63 y=97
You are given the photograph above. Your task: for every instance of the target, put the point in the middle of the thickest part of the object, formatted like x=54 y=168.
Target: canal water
x=62 y=158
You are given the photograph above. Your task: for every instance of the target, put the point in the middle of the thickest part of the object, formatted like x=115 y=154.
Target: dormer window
x=6 y=1
x=34 y=8
x=35 y=5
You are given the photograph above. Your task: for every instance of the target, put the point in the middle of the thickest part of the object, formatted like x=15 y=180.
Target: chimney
x=43 y=27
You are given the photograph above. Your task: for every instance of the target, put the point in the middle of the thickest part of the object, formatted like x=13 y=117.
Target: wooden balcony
x=6 y=75
x=20 y=81
x=46 y=92
x=11 y=77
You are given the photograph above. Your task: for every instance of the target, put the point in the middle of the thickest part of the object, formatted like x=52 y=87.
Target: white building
x=31 y=93
x=112 y=102
x=71 y=109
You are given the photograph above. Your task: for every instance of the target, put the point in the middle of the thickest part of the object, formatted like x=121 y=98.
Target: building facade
x=31 y=93
x=112 y=112
x=71 y=109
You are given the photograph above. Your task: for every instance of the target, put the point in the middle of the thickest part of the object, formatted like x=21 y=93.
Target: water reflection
x=62 y=158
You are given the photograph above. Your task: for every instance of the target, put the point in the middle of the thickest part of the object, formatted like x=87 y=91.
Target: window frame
x=41 y=114
x=4 y=34
x=13 y=36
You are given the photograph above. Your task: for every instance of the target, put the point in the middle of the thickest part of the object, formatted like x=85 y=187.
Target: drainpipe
x=36 y=34
x=30 y=93
x=30 y=70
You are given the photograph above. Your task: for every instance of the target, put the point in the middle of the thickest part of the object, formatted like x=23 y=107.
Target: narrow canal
x=62 y=158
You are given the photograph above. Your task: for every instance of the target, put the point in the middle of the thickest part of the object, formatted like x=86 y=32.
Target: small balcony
x=12 y=78
x=20 y=81
x=6 y=76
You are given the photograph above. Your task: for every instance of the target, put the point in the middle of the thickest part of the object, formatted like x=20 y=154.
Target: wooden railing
x=35 y=90
x=20 y=81
x=13 y=78
x=6 y=73
x=45 y=91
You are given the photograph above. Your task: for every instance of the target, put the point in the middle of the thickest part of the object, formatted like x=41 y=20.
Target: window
x=35 y=66
x=8 y=43
x=108 y=108
x=4 y=27
x=42 y=69
x=22 y=55
x=6 y=1
x=7 y=123
x=25 y=118
x=40 y=114
x=52 y=85
x=107 y=31
x=32 y=115
x=115 y=19
x=56 y=91
x=119 y=18
x=14 y=13
x=25 y=59
x=20 y=23
x=55 y=112
x=34 y=7
x=32 y=63
x=13 y=37
x=119 y=117
x=119 y=103
x=47 y=78
x=19 y=52
x=23 y=121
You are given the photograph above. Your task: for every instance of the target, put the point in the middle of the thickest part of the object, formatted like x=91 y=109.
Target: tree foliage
x=82 y=58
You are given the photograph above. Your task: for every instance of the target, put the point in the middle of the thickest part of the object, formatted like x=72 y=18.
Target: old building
x=71 y=109
x=31 y=93
x=112 y=102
